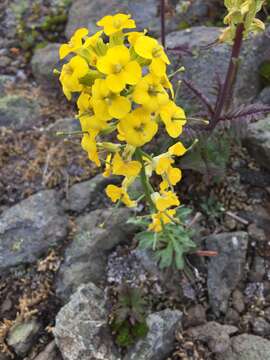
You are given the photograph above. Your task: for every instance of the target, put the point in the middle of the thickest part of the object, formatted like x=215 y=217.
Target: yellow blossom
x=114 y=23
x=161 y=218
x=174 y=118
x=165 y=200
x=119 y=68
x=177 y=149
x=90 y=146
x=108 y=166
x=150 y=93
x=74 y=44
x=137 y=128
x=116 y=193
x=125 y=168
x=107 y=103
x=71 y=72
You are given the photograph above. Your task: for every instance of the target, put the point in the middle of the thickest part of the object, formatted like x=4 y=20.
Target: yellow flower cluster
x=124 y=90
x=241 y=12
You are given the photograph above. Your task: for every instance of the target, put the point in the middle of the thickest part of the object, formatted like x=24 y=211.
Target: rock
x=159 y=342
x=81 y=329
x=86 y=256
x=4 y=80
x=226 y=269
x=256 y=233
x=146 y=13
x=4 y=356
x=43 y=63
x=194 y=316
x=81 y=195
x=215 y=335
x=264 y=96
x=51 y=352
x=257 y=141
x=29 y=228
x=261 y=326
x=18 y=112
x=232 y=317
x=258 y=269
x=202 y=65
x=247 y=347
x=21 y=336
x=238 y=301
x=64 y=124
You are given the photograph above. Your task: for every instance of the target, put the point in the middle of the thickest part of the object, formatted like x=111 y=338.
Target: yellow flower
x=171 y=178
x=88 y=119
x=90 y=146
x=108 y=104
x=133 y=36
x=71 y=72
x=116 y=193
x=161 y=218
x=165 y=200
x=177 y=149
x=137 y=128
x=174 y=118
x=74 y=44
x=114 y=23
x=125 y=168
x=94 y=47
x=150 y=93
x=118 y=67
x=149 y=48
x=108 y=166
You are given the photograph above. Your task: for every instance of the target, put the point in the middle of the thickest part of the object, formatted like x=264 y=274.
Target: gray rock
x=258 y=269
x=215 y=335
x=202 y=65
x=226 y=269
x=43 y=63
x=238 y=301
x=81 y=329
x=264 y=96
x=257 y=141
x=51 y=352
x=159 y=341
x=81 y=195
x=194 y=316
x=18 y=112
x=261 y=326
x=4 y=80
x=21 y=336
x=30 y=228
x=247 y=347
x=64 y=124
x=86 y=256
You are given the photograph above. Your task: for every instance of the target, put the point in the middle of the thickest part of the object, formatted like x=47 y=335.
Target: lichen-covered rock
x=18 y=112
x=29 y=228
x=86 y=256
x=21 y=336
x=159 y=341
x=81 y=329
x=247 y=347
x=226 y=269
x=43 y=63
x=257 y=141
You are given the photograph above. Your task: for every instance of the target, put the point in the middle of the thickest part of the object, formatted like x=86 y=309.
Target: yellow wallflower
x=150 y=93
x=118 y=67
x=165 y=200
x=177 y=149
x=116 y=193
x=88 y=119
x=108 y=166
x=74 y=44
x=161 y=218
x=114 y=23
x=94 y=47
x=149 y=48
x=90 y=146
x=108 y=104
x=71 y=72
x=137 y=128
x=125 y=168
x=174 y=118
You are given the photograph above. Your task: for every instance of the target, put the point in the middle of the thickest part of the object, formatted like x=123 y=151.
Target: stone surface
x=261 y=326
x=258 y=269
x=83 y=194
x=226 y=269
x=18 y=112
x=216 y=336
x=202 y=65
x=238 y=301
x=194 y=316
x=43 y=63
x=264 y=96
x=50 y=352
x=159 y=341
x=247 y=347
x=64 y=124
x=21 y=336
x=81 y=329
x=4 y=80
x=29 y=228
x=257 y=141
x=86 y=256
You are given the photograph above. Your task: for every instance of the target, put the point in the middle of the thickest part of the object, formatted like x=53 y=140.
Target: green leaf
x=146 y=239
x=165 y=256
x=140 y=329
